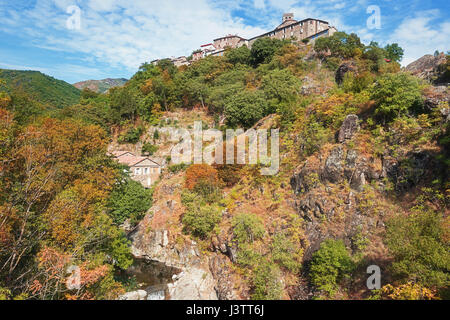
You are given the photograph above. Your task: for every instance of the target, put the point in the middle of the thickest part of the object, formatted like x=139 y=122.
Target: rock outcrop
x=438 y=97
x=343 y=69
x=340 y=164
x=407 y=172
x=194 y=281
x=428 y=67
x=349 y=128
x=221 y=269
x=134 y=295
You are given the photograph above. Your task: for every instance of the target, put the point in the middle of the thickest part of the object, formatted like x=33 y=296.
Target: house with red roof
x=143 y=169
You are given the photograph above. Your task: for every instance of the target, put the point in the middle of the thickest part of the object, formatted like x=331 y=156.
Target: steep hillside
x=363 y=170
x=100 y=86
x=40 y=87
x=362 y=182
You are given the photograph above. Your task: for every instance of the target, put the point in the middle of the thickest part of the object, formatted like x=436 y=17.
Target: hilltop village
x=306 y=30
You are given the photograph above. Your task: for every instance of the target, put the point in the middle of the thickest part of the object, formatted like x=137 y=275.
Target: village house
x=229 y=41
x=178 y=62
x=289 y=28
x=143 y=169
x=306 y=30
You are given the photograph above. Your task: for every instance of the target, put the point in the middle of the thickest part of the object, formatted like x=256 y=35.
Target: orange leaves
x=52 y=153
x=8 y=216
x=328 y=105
x=146 y=88
x=65 y=140
x=200 y=173
x=52 y=262
x=73 y=210
x=90 y=277
x=5 y=100
x=54 y=276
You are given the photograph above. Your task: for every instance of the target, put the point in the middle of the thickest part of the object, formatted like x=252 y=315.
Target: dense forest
x=63 y=201
x=40 y=87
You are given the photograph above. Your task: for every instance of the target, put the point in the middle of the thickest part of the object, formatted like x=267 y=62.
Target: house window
x=137 y=171
x=145 y=170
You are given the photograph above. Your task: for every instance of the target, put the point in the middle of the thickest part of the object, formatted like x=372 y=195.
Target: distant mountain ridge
x=40 y=87
x=100 y=86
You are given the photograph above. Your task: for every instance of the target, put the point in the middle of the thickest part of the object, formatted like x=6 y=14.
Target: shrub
x=313 y=137
x=330 y=264
x=149 y=148
x=175 y=168
x=129 y=200
x=286 y=253
x=247 y=256
x=201 y=173
x=247 y=227
x=266 y=282
x=132 y=135
x=200 y=219
x=396 y=94
x=421 y=252
x=210 y=192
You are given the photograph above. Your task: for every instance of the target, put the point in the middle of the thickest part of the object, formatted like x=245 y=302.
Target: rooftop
x=130 y=159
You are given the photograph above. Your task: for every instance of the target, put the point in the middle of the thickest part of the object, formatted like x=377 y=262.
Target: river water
x=153 y=277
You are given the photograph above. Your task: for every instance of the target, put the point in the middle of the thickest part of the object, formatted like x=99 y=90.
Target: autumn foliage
x=201 y=173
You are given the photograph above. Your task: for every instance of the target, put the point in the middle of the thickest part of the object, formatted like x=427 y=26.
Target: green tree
x=420 y=249
x=247 y=227
x=241 y=55
x=394 y=52
x=149 y=148
x=264 y=49
x=396 y=94
x=200 y=218
x=266 y=282
x=286 y=253
x=340 y=44
x=281 y=89
x=129 y=200
x=245 y=108
x=124 y=103
x=330 y=264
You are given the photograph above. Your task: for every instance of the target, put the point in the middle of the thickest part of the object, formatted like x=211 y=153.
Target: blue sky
x=116 y=36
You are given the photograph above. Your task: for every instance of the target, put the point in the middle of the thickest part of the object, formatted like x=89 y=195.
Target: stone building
x=229 y=41
x=180 y=61
x=309 y=28
x=197 y=55
x=142 y=169
x=289 y=28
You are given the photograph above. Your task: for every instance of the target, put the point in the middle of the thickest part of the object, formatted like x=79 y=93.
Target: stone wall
x=299 y=30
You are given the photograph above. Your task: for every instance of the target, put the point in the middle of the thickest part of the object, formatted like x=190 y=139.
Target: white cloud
x=259 y=4
x=420 y=35
x=127 y=33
